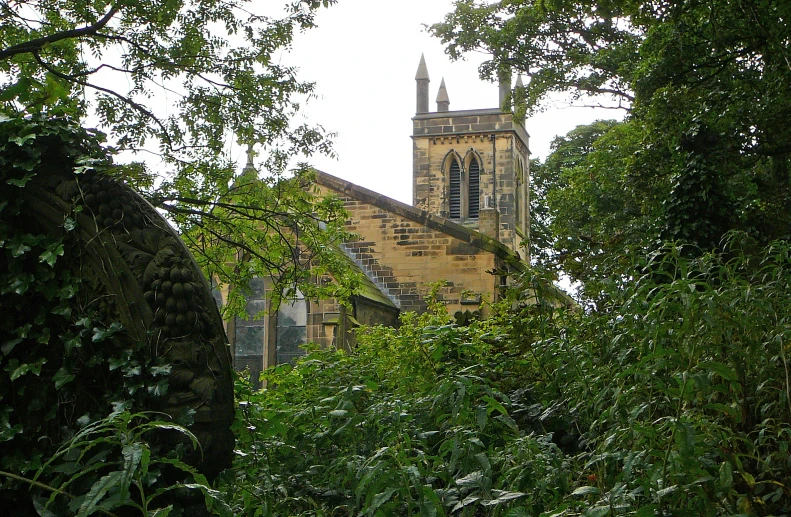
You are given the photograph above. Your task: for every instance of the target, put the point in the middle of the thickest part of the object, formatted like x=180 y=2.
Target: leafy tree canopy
x=186 y=78
x=706 y=142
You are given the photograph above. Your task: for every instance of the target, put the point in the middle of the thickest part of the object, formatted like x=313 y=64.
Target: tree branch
x=126 y=100
x=39 y=43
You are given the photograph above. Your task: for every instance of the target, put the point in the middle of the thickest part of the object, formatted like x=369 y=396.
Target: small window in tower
x=474 y=190
x=454 y=202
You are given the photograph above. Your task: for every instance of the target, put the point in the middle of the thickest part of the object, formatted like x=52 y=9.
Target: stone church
x=468 y=223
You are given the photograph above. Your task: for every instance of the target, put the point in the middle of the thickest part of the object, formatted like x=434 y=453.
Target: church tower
x=472 y=166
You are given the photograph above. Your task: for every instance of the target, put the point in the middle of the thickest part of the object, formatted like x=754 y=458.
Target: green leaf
x=665 y=491
x=586 y=490
x=100 y=334
x=161 y=512
x=9 y=345
x=22 y=140
x=647 y=511
x=472 y=479
x=726 y=475
x=21 y=182
x=18 y=249
x=132 y=453
x=379 y=499
x=17 y=370
x=51 y=254
x=598 y=511
x=502 y=496
x=20 y=87
x=724 y=371
x=97 y=492
x=61 y=377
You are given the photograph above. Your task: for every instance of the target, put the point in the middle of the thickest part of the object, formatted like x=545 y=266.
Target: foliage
x=593 y=205
x=408 y=425
x=59 y=368
x=214 y=59
x=110 y=465
x=215 y=63
x=673 y=399
x=706 y=142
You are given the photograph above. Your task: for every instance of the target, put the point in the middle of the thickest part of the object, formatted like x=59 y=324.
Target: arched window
x=292 y=321
x=473 y=189
x=454 y=198
x=250 y=333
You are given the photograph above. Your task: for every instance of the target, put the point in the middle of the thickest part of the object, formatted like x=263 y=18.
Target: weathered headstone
x=132 y=269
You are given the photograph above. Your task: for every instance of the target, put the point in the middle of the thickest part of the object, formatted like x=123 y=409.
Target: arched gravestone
x=134 y=269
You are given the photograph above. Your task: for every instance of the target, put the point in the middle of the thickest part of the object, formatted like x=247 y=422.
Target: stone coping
x=516 y=126
x=460 y=113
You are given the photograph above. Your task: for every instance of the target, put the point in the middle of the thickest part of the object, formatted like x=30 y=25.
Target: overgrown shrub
x=671 y=398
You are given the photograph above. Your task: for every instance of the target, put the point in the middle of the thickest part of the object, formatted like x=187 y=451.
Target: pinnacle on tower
x=519 y=83
x=422 y=86
x=422 y=71
x=504 y=77
x=443 y=102
x=249 y=167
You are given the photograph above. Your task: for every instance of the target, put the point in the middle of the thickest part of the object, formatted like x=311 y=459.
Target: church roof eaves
x=432 y=221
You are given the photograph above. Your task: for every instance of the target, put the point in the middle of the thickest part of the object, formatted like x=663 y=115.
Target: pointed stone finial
x=249 y=167
x=422 y=70
x=519 y=83
x=421 y=77
x=505 y=86
x=443 y=102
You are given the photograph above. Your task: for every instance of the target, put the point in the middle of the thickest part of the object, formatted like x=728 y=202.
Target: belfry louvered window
x=454 y=201
x=473 y=190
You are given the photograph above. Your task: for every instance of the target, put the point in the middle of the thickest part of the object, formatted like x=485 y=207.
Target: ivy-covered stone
x=102 y=305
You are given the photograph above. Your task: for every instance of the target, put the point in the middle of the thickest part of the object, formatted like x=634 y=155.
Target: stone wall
x=403 y=250
x=500 y=144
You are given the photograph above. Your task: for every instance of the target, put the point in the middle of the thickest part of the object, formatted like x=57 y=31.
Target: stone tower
x=472 y=166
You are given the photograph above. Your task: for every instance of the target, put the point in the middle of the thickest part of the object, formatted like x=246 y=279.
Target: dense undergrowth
x=671 y=397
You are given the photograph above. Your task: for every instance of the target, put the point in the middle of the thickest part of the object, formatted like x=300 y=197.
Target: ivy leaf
x=17 y=370
x=21 y=182
x=100 y=334
x=62 y=377
x=18 y=249
x=51 y=254
x=9 y=345
x=160 y=370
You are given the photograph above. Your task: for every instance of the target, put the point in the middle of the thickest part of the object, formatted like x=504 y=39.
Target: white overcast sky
x=363 y=57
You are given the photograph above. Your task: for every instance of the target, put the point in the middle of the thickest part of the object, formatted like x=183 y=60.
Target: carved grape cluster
x=110 y=204
x=172 y=295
